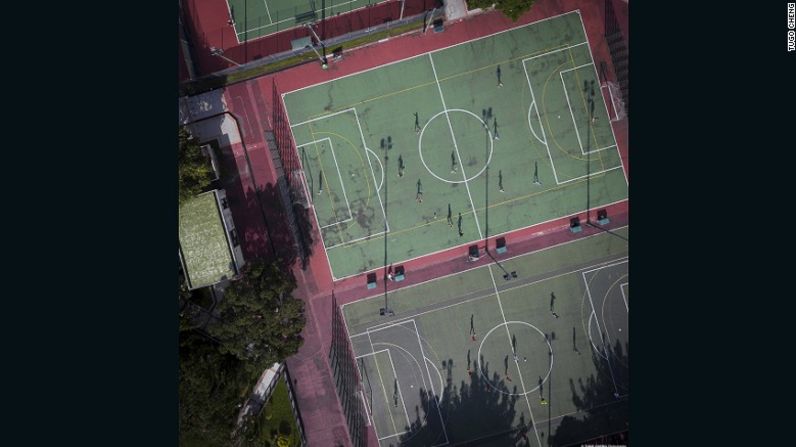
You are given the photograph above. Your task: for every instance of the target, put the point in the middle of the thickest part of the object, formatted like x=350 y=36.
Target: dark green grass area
x=499 y=157
x=565 y=319
x=276 y=420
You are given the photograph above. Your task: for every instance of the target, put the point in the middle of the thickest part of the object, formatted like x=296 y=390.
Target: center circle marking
x=491 y=146
x=489 y=382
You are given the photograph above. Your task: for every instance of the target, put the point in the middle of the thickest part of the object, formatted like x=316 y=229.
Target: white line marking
x=456 y=147
x=414 y=359
x=331 y=146
x=373 y=173
x=568 y=47
x=234 y=22
x=437 y=50
x=381 y=166
x=439 y=375
x=365 y=404
x=293 y=18
x=381 y=379
x=511 y=347
x=267 y=11
x=369 y=354
x=590 y=175
x=392 y=436
x=573 y=116
x=532 y=107
x=496 y=235
x=597 y=77
x=571 y=113
x=613 y=103
x=541 y=125
x=350 y=109
x=482 y=266
x=624 y=298
x=624 y=261
x=431 y=382
x=336 y=165
x=575 y=68
x=348 y=242
x=395 y=375
x=309 y=195
x=599 y=329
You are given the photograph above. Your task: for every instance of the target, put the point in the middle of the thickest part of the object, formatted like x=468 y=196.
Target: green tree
x=513 y=9
x=195 y=172
x=212 y=387
x=259 y=321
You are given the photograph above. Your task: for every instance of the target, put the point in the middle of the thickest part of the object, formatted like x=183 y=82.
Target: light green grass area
x=258 y=18
x=276 y=420
x=541 y=153
x=575 y=361
x=203 y=242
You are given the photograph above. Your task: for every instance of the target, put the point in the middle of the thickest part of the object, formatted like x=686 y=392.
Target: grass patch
x=277 y=427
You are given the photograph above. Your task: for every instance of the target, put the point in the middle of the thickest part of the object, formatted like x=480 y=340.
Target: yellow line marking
x=586 y=108
x=464 y=73
x=544 y=107
x=323 y=172
x=361 y=161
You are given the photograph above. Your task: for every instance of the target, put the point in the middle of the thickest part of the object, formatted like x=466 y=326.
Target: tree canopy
x=259 y=321
x=513 y=9
x=195 y=173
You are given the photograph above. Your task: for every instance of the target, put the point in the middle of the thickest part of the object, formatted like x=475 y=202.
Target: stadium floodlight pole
x=485 y=115
x=220 y=53
x=322 y=58
x=387 y=311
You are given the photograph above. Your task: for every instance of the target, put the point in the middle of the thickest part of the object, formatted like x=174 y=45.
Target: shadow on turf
x=474 y=414
x=603 y=417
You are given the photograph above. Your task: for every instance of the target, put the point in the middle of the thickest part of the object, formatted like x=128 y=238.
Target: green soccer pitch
x=470 y=359
x=456 y=145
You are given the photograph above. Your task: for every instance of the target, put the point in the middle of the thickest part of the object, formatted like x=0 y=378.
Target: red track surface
x=250 y=103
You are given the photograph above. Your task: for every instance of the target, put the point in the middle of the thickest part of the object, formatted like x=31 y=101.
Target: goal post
x=614 y=102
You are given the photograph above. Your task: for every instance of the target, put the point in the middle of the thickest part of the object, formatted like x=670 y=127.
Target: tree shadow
x=603 y=416
x=474 y=414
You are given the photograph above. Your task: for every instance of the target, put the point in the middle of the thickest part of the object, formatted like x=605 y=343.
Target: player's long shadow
x=472 y=410
x=604 y=413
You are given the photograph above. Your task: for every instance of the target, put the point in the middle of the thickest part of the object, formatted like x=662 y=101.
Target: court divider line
x=511 y=346
x=456 y=147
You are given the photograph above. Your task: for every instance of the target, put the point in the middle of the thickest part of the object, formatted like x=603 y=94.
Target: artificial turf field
x=443 y=369
x=258 y=18
x=456 y=145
